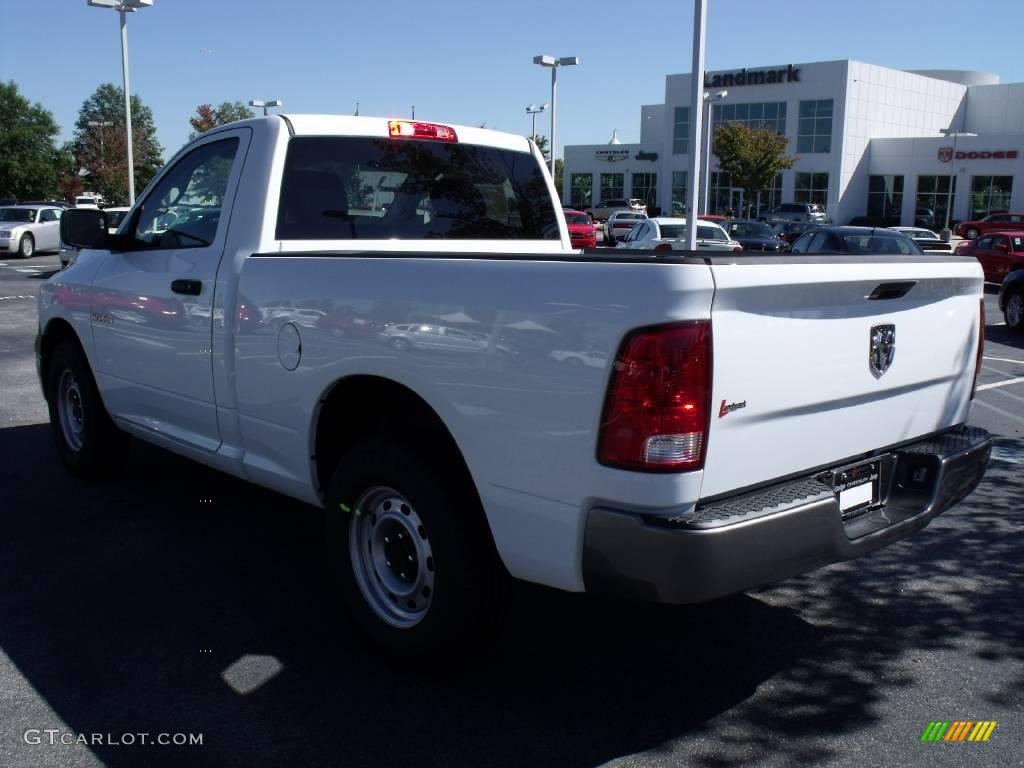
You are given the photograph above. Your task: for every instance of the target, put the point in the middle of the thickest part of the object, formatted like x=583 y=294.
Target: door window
x=49 y=214
x=183 y=210
x=985 y=243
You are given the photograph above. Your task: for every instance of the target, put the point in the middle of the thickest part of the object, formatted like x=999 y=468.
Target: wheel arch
x=57 y=330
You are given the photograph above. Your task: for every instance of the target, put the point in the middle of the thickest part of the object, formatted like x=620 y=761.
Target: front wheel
x=1015 y=311
x=87 y=440
x=26 y=246
x=409 y=545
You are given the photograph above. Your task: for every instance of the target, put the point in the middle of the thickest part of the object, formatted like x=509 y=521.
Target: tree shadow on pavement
x=112 y=594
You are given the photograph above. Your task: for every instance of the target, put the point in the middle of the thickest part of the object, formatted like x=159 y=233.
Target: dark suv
x=809 y=212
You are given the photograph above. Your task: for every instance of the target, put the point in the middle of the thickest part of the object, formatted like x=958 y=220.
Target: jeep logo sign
x=946 y=154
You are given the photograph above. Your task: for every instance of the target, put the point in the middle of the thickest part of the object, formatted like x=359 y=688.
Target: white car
x=87 y=201
x=572 y=358
x=669 y=234
x=620 y=224
x=928 y=240
x=114 y=218
x=25 y=229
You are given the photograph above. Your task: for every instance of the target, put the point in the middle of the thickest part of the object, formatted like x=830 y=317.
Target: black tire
x=1014 y=312
x=971 y=233
x=99 y=443
x=26 y=246
x=463 y=568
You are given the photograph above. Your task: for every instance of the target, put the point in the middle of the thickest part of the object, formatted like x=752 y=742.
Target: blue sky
x=468 y=62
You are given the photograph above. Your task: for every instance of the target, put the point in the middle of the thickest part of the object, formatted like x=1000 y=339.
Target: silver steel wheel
x=391 y=557
x=69 y=410
x=1015 y=311
x=28 y=246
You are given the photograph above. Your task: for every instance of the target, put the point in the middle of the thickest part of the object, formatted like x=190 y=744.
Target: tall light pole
x=709 y=99
x=125 y=7
x=101 y=124
x=274 y=103
x=550 y=61
x=700 y=8
x=533 y=110
x=947 y=132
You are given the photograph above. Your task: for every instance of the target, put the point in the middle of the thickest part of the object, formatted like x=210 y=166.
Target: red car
x=999 y=253
x=994 y=223
x=582 y=231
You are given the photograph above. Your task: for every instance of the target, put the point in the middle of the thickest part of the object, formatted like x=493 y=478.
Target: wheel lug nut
x=410 y=558
x=387 y=540
x=387 y=563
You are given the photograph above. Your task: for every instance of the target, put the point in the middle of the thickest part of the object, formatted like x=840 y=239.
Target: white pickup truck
x=368 y=315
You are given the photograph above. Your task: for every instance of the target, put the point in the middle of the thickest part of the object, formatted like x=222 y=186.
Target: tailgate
x=792 y=347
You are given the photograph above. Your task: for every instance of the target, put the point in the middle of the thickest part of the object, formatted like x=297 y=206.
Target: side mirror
x=84 y=228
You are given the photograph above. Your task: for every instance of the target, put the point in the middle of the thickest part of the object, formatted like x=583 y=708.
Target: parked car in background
x=436 y=338
x=591 y=359
x=754 y=235
x=25 y=229
x=812 y=212
x=606 y=208
x=993 y=223
x=928 y=240
x=620 y=223
x=114 y=217
x=87 y=201
x=924 y=217
x=791 y=230
x=1011 y=300
x=999 y=253
x=582 y=232
x=855 y=240
x=667 y=234
x=48 y=203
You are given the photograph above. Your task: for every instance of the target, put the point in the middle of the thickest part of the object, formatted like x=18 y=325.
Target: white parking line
x=6 y=298
x=1006 y=383
x=1004 y=360
x=1000 y=411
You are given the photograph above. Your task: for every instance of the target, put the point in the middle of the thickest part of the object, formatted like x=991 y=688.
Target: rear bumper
x=771 y=534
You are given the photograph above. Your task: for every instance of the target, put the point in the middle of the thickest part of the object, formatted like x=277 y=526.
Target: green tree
x=751 y=156
x=559 y=176
x=69 y=183
x=101 y=150
x=208 y=116
x=542 y=145
x=27 y=146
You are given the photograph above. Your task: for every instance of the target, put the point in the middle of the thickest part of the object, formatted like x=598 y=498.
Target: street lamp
x=709 y=99
x=101 y=124
x=550 y=61
x=947 y=132
x=123 y=7
x=533 y=110
x=274 y=103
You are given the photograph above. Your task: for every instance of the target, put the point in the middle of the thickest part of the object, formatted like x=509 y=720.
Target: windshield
x=17 y=214
x=879 y=244
x=750 y=229
x=577 y=218
x=368 y=188
x=678 y=232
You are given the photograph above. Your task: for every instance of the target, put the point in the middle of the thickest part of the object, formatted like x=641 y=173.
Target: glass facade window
x=990 y=194
x=885 y=199
x=933 y=198
x=810 y=188
x=678 y=193
x=612 y=185
x=645 y=187
x=723 y=197
x=581 y=190
x=814 y=133
x=681 y=131
x=770 y=115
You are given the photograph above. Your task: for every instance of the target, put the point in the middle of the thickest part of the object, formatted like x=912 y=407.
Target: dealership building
x=867 y=141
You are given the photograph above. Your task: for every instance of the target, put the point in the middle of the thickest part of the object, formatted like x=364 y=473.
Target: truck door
x=152 y=309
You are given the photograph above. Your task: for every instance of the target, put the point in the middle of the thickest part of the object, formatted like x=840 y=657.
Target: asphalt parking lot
x=133 y=606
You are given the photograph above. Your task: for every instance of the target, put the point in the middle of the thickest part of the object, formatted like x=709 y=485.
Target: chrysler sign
x=612 y=155
x=946 y=154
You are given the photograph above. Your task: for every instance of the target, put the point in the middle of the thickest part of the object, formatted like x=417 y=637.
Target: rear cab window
x=367 y=188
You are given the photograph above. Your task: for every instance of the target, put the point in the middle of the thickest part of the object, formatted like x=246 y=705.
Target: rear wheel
x=1015 y=311
x=26 y=246
x=409 y=545
x=971 y=233
x=86 y=438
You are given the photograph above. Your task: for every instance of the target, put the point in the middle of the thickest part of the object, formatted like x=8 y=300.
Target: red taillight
x=981 y=346
x=659 y=400
x=663 y=247
x=406 y=129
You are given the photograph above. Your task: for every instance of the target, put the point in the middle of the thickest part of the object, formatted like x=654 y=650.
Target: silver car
x=25 y=229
